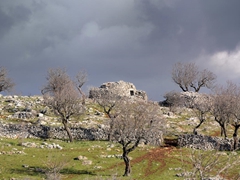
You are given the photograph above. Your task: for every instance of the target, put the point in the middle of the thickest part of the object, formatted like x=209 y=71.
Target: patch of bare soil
x=157 y=155
x=153 y=157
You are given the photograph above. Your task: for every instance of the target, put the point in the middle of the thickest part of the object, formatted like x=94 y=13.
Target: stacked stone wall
x=205 y=142
x=45 y=132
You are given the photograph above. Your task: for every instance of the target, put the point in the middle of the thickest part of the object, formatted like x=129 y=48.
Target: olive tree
x=6 y=83
x=61 y=94
x=173 y=99
x=109 y=102
x=233 y=93
x=200 y=104
x=188 y=76
x=136 y=122
x=81 y=79
x=221 y=108
x=201 y=107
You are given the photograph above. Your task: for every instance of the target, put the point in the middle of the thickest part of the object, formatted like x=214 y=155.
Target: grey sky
x=136 y=41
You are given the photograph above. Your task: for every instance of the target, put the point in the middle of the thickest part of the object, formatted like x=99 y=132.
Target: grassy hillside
x=32 y=159
x=94 y=160
x=100 y=161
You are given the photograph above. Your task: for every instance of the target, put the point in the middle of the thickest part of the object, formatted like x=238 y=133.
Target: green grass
x=147 y=162
x=97 y=151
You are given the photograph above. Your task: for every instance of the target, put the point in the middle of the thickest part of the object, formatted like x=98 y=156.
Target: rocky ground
x=31 y=109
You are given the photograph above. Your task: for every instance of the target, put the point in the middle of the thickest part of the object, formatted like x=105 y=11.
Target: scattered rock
x=25 y=165
x=40 y=115
x=22 y=115
x=42 y=146
x=81 y=158
x=86 y=162
x=184 y=174
x=29 y=144
x=97 y=167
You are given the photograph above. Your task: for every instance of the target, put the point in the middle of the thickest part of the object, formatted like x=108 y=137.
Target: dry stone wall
x=205 y=142
x=45 y=132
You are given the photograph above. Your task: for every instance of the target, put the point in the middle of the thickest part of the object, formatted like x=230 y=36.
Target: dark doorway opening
x=131 y=92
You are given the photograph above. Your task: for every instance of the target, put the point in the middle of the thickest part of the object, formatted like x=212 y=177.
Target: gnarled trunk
x=127 y=164
x=68 y=130
x=126 y=151
x=223 y=130
x=235 y=138
x=222 y=125
x=195 y=129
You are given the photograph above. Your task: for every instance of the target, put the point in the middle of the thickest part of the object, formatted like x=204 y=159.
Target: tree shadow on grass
x=31 y=171
x=75 y=171
x=37 y=171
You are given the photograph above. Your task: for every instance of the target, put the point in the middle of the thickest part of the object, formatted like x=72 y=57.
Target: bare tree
x=209 y=165
x=54 y=165
x=187 y=76
x=109 y=102
x=201 y=106
x=6 y=83
x=173 y=99
x=221 y=107
x=136 y=122
x=81 y=79
x=205 y=78
x=61 y=94
x=233 y=93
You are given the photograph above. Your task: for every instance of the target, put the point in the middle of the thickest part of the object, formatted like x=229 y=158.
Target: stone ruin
x=121 y=88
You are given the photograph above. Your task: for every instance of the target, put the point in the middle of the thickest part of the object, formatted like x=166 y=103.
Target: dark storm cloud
x=12 y=15
x=195 y=25
x=132 y=40
x=6 y=23
x=222 y=23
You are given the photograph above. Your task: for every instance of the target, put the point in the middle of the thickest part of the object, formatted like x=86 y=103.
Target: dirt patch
x=216 y=133
x=155 y=156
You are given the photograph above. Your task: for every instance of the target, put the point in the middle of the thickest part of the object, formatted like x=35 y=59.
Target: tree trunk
x=111 y=126
x=126 y=161
x=183 y=89
x=223 y=129
x=127 y=164
x=195 y=129
x=126 y=151
x=235 y=138
x=68 y=130
x=83 y=95
x=109 y=137
x=235 y=144
x=222 y=125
